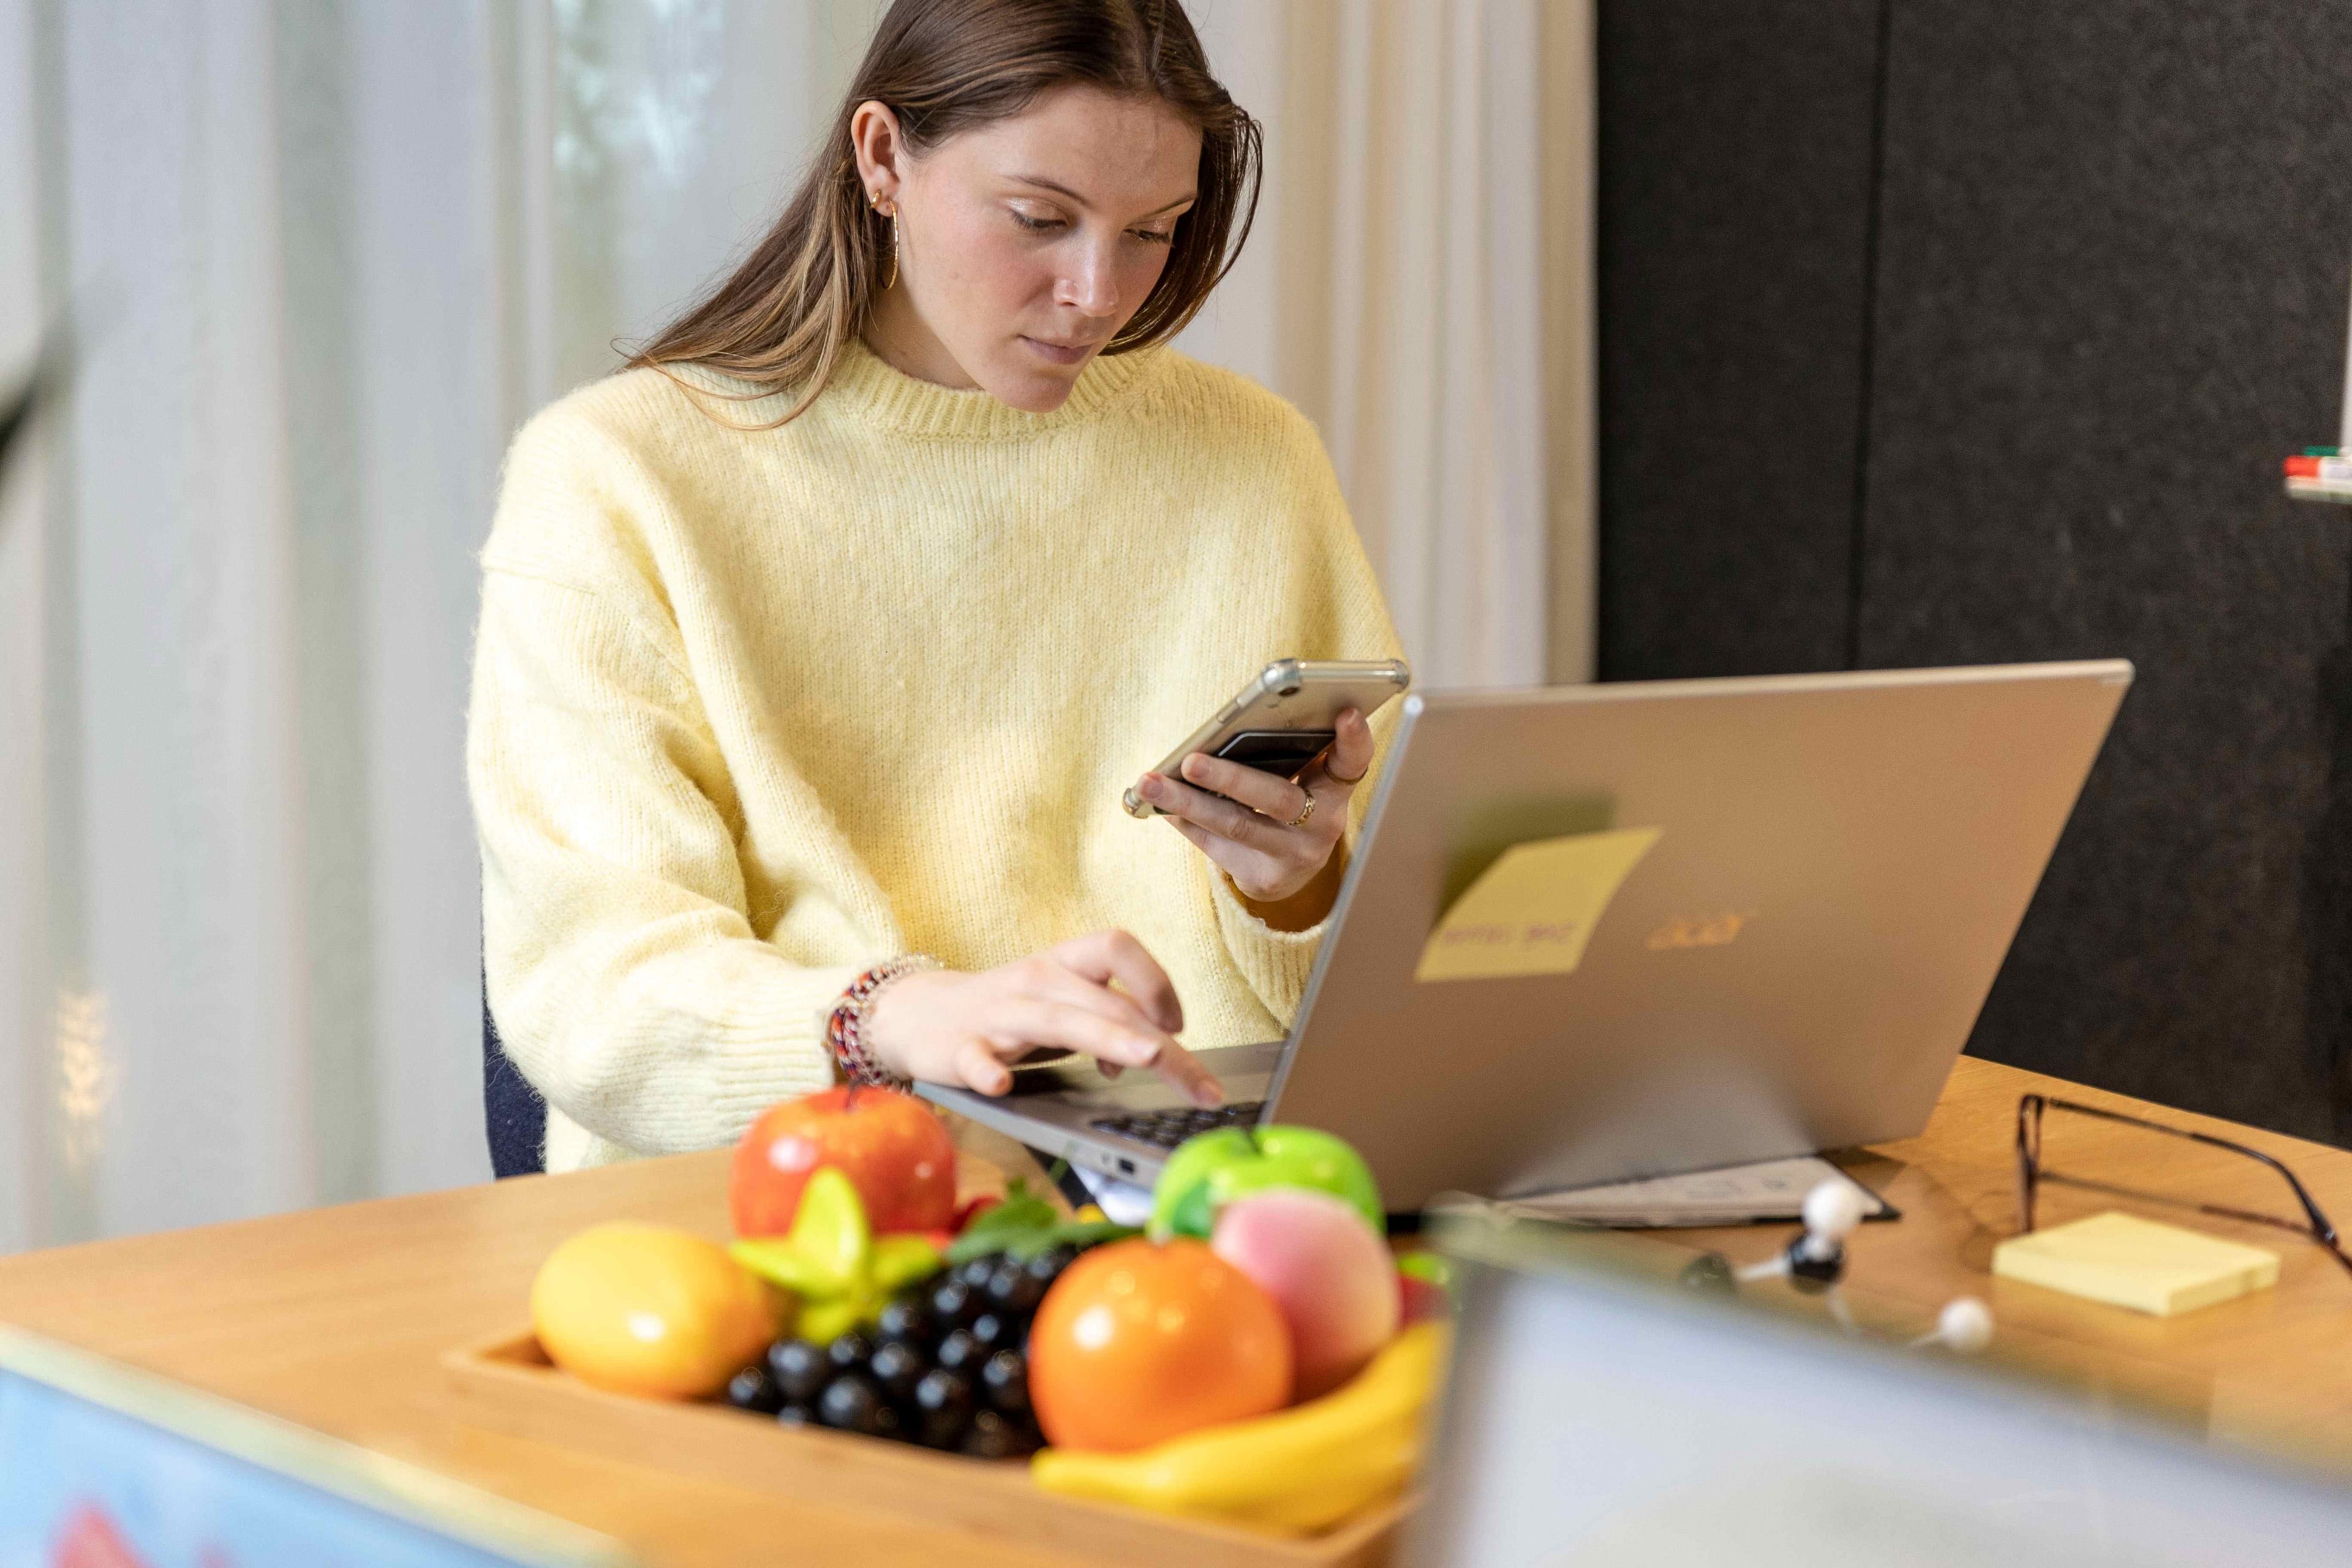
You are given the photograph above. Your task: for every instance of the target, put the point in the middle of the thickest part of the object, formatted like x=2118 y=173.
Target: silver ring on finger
x=1304 y=812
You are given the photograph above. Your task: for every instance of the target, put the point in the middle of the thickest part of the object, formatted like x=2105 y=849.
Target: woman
x=828 y=636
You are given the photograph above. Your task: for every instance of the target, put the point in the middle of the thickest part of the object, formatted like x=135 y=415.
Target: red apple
x=1329 y=1273
x=892 y=1149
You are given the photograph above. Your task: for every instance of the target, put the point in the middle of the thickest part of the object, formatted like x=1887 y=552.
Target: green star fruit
x=831 y=1259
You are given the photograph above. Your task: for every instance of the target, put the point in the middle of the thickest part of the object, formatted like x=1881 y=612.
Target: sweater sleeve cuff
x=1275 y=963
x=764 y=1044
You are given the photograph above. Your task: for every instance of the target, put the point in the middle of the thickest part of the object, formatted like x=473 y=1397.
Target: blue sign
x=84 y=1485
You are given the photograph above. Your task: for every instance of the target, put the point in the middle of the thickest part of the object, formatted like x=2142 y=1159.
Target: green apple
x=1210 y=1171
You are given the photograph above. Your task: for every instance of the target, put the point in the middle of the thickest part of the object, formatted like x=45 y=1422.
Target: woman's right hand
x=945 y=1027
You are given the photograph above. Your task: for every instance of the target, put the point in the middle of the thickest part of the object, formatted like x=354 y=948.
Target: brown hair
x=783 y=318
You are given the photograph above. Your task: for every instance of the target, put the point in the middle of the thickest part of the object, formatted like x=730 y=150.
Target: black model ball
x=960 y=1351
x=754 y=1388
x=851 y=1403
x=994 y=1437
x=1047 y=1266
x=907 y=1321
x=952 y=1303
x=799 y=1369
x=898 y=1366
x=1013 y=1290
x=942 y=1405
x=1004 y=1377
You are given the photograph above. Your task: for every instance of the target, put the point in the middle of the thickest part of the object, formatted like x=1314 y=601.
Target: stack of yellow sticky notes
x=2136 y=1263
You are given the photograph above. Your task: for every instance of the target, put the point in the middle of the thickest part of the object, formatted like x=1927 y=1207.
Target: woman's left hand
x=1271 y=835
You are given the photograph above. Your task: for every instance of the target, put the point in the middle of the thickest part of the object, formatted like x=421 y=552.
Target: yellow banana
x=1296 y=1470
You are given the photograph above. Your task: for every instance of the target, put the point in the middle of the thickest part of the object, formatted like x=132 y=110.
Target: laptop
x=1598 y=1416
x=101 y=1463
x=1731 y=920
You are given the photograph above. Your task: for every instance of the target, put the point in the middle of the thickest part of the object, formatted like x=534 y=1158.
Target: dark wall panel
x=2112 y=248
x=1734 y=142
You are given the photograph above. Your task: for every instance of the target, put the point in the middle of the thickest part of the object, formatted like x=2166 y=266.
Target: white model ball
x=1832 y=1210
x=1965 y=1324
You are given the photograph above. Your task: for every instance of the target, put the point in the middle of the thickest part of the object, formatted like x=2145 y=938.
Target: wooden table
x=336 y=1318
x=2267 y=1370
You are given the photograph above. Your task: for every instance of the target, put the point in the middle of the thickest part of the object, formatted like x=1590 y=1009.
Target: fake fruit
x=1212 y=1169
x=1302 y=1469
x=944 y=1365
x=833 y=1261
x=1025 y=1226
x=853 y=1403
x=1330 y=1273
x=1420 y=1301
x=1139 y=1343
x=646 y=1310
x=1425 y=1286
x=896 y=1153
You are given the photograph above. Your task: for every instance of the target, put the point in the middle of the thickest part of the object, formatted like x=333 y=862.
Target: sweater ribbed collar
x=871 y=392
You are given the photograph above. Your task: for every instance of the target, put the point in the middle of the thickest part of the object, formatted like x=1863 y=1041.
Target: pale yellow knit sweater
x=755 y=709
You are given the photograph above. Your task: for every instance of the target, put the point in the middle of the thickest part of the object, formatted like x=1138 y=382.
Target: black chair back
x=512 y=1111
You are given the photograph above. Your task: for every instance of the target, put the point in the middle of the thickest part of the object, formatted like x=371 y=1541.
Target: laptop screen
x=1595 y=1420
x=102 y=1467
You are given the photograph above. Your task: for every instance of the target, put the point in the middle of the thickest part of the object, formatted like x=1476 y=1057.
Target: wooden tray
x=508 y=1384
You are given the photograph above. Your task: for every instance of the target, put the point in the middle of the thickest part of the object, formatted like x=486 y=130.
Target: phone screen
x=1283 y=751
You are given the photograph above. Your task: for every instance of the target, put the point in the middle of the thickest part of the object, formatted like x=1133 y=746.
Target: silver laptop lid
x=1595 y=1418
x=1834 y=870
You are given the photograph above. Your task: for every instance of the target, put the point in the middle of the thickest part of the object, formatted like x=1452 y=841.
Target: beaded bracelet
x=842 y=1025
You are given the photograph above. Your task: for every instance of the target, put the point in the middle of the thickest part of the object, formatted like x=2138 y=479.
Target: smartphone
x=1286 y=717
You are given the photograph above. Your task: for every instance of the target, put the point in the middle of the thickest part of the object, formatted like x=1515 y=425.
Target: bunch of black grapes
x=946 y=1366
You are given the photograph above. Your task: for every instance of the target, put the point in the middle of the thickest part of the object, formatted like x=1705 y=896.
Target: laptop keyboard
x=1165 y=1129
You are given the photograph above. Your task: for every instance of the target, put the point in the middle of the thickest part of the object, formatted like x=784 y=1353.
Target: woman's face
x=1025 y=244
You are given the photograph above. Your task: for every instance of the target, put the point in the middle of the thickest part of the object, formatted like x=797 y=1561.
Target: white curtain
x=324 y=256
x=1396 y=291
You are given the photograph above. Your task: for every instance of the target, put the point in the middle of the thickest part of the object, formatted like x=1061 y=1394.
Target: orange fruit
x=643 y=1309
x=1139 y=1343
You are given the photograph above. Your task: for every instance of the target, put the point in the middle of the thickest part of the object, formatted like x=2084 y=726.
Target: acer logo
x=1711 y=931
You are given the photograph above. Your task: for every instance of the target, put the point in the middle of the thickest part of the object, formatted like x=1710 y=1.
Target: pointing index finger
x=1110 y=956
x=1183 y=1068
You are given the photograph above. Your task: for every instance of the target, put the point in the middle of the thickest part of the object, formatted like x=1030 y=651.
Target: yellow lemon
x=646 y=1309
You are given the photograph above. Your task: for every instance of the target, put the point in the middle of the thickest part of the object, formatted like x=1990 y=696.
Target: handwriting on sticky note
x=1532 y=911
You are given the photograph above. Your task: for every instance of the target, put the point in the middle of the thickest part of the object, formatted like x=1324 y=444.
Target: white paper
x=1735 y=1194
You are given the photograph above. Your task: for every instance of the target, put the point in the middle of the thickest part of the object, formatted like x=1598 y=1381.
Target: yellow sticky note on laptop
x=2137 y=1263
x=1532 y=911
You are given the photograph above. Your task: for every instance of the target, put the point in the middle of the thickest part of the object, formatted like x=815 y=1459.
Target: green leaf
x=1021 y=1214
x=1194 y=1214
x=1083 y=1233
x=977 y=1243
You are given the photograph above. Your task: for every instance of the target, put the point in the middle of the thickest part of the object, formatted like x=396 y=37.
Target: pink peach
x=1326 y=1269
